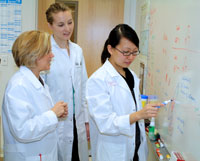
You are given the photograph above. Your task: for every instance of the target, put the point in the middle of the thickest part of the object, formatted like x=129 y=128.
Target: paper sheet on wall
x=10 y=23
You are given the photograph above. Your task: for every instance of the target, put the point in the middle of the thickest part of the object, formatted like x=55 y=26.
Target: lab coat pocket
x=109 y=151
x=50 y=156
x=34 y=158
x=40 y=157
x=78 y=75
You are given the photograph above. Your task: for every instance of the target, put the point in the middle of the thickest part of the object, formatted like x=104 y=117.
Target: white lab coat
x=110 y=103
x=67 y=71
x=29 y=126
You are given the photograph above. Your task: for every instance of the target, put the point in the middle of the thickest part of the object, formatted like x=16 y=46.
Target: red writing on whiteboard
x=177 y=40
x=165 y=37
x=177 y=27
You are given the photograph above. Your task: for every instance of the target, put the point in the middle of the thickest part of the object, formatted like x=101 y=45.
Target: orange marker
x=160 y=155
x=157 y=150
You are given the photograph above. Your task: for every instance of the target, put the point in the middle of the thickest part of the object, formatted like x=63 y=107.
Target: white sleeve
x=101 y=110
x=24 y=126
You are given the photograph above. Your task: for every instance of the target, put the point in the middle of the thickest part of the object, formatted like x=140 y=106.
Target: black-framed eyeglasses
x=127 y=53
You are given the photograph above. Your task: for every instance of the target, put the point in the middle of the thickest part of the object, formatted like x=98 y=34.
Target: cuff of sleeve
x=52 y=116
x=124 y=125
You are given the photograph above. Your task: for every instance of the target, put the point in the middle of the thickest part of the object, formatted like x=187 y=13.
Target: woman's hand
x=60 y=109
x=150 y=110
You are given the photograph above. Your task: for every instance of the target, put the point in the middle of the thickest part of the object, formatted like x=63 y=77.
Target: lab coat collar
x=30 y=76
x=53 y=43
x=113 y=72
x=72 y=53
x=115 y=75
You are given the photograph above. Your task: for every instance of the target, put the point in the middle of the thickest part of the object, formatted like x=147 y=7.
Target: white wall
x=130 y=12
x=132 y=16
x=29 y=22
x=29 y=14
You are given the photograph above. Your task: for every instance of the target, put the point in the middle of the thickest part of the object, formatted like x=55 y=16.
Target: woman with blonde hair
x=67 y=81
x=29 y=116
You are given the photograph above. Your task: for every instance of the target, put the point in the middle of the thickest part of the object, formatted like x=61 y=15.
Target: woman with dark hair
x=117 y=118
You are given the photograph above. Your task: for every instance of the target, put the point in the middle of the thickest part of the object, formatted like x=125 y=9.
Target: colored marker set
x=161 y=151
x=175 y=156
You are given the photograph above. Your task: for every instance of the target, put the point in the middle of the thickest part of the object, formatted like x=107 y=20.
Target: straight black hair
x=120 y=31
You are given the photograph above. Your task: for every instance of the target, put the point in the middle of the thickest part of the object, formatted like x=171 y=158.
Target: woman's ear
x=110 y=49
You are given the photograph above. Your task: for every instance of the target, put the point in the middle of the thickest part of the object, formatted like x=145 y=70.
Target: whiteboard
x=174 y=72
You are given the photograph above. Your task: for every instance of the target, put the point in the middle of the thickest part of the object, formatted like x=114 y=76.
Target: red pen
x=40 y=157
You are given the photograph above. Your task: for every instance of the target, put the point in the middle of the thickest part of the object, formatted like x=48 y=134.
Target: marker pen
x=168 y=156
x=157 y=144
x=157 y=150
x=160 y=142
x=40 y=157
x=160 y=155
x=166 y=102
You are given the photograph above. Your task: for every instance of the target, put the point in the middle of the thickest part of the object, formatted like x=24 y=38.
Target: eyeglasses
x=127 y=53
